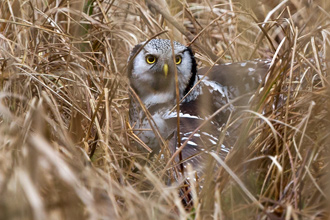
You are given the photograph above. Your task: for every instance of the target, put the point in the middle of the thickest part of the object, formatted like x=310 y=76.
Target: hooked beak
x=165 y=68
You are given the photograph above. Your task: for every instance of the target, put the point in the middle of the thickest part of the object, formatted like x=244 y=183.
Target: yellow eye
x=178 y=59
x=151 y=59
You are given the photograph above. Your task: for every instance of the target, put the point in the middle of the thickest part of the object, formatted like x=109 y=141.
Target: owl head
x=152 y=68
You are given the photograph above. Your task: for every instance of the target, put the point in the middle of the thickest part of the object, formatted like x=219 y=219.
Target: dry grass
x=65 y=150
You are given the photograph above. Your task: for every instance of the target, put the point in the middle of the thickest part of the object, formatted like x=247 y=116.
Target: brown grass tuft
x=65 y=149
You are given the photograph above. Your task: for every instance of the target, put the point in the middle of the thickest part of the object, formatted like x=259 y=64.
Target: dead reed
x=65 y=150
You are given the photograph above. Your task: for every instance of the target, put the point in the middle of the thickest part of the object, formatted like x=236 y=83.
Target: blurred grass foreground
x=65 y=145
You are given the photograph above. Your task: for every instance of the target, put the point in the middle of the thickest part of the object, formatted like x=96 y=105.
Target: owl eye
x=178 y=59
x=151 y=59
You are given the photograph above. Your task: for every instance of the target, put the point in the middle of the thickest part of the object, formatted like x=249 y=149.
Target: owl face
x=152 y=72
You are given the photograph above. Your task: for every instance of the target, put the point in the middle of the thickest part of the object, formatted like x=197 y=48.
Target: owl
x=205 y=97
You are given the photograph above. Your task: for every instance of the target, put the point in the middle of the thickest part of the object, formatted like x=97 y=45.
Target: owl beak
x=165 y=68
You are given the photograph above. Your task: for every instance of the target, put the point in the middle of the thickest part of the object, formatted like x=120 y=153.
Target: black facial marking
x=131 y=58
x=193 y=71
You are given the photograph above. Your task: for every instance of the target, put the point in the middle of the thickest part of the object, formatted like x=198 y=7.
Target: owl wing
x=223 y=83
x=238 y=78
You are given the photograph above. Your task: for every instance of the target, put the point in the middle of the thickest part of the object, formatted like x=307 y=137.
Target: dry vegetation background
x=65 y=150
